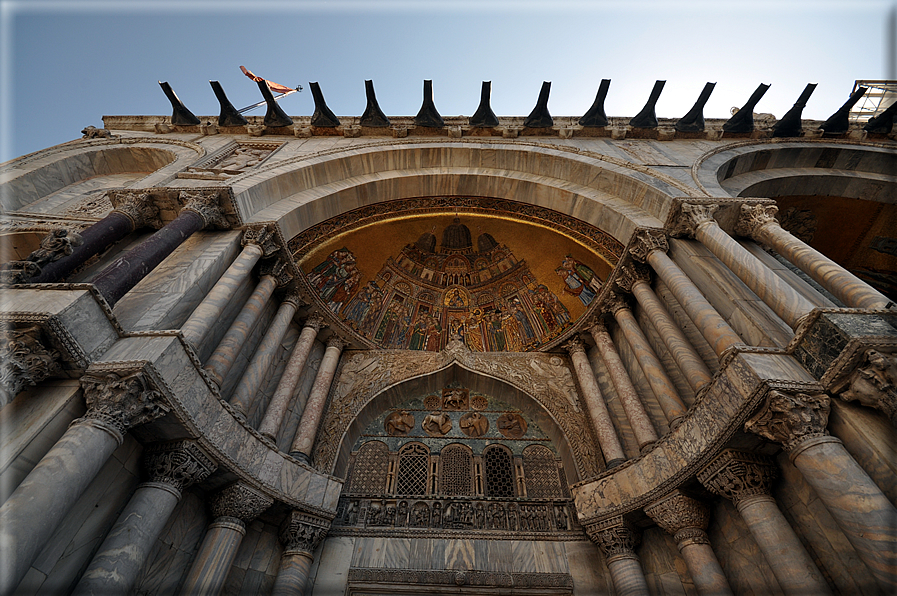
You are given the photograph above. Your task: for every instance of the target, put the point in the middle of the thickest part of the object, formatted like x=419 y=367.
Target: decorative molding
x=474 y=578
x=791 y=418
x=874 y=383
x=575 y=345
x=614 y=303
x=753 y=217
x=616 y=537
x=737 y=475
x=122 y=400
x=215 y=204
x=301 y=533
x=335 y=341
x=60 y=242
x=178 y=464
x=315 y=321
x=240 y=501
x=24 y=360
x=645 y=241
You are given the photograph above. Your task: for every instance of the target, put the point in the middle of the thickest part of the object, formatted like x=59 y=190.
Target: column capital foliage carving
x=614 y=302
x=138 y=206
x=179 y=464
x=24 y=360
x=692 y=216
x=240 y=501
x=262 y=236
x=647 y=241
x=753 y=217
x=293 y=297
x=632 y=274
x=276 y=268
x=737 y=475
x=678 y=512
x=301 y=532
x=335 y=341
x=122 y=400
x=59 y=243
x=615 y=537
x=207 y=206
x=790 y=418
x=874 y=383
x=575 y=345
x=316 y=321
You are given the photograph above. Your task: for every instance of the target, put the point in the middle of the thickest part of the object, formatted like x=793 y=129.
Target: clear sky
x=66 y=63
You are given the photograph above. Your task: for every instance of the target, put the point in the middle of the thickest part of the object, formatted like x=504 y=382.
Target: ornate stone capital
x=24 y=360
x=615 y=302
x=335 y=341
x=647 y=241
x=615 y=537
x=790 y=419
x=138 y=206
x=631 y=275
x=874 y=383
x=207 y=207
x=575 y=345
x=316 y=321
x=301 y=533
x=262 y=236
x=293 y=298
x=692 y=216
x=179 y=464
x=678 y=512
x=737 y=475
x=240 y=501
x=18 y=272
x=122 y=401
x=55 y=245
x=754 y=217
x=276 y=268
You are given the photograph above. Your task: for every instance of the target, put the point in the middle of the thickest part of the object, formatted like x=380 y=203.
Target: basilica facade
x=393 y=355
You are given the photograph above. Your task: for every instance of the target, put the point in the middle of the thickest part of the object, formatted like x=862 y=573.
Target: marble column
x=874 y=383
x=304 y=439
x=25 y=360
x=257 y=243
x=759 y=222
x=663 y=387
x=861 y=510
x=635 y=279
x=644 y=431
x=232 y=508
x=245 y=394
x=171 y=467
x=617 y=540
x=280 y=401
x=598 y=412
x=651 y=247
x=687 y=520
x=745 y=479
x=697 y=220
x=200 y=211
x=300 y=535
x=115 y=403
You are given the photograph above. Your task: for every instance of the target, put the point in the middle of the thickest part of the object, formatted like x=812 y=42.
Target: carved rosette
x=575 y=345
x=616 y=538
x=207 y=207
x=24 y=360
x=874 y=383
x=276 y=268
x=614 y=302
x=683 y=517
x=738 y=475
x=301 y=533
x=262 y=236
x=647 y=241
x=139 y=208
x=791 y=419
x=122 y=401
x=753 y=217
x=692 y=216
x=316 y=321
x=178 y=464
x=632 y=274
x=240 y=501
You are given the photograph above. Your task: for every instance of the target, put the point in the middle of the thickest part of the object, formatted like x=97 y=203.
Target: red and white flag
x=275 y=87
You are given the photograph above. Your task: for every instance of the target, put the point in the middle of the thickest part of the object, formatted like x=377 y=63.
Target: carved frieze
x=738 y=475
x=615 y=537
x=122 y=400
x=874 y=383
x=179 y=464
x=692 y=216
x=24 y=360
x=240 y=501
x=753 y=217
x=301 y=533
x=790 y=419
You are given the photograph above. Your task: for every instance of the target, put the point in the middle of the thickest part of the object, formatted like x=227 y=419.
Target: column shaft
x=215 y=557
x=705 y=569
x=317 y=398
x=627 y=576
x=601 y=421
x=293 y=574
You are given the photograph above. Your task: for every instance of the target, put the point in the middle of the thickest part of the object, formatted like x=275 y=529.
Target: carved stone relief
x=24 y=361
x=301 y=533
x=240 y=501
x=874 y=384
x=179 y=464
x=122 y=400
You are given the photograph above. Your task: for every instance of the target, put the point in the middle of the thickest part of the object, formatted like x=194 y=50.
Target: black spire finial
x=539 y=117
x=838 y=122
x=647 y=118
x=275 y=116
x=693 y=121
x=180 y=115
x=322 y=116
x=743 y=119
x=229 y=116
x=789 y=125
x=373 y=115
x=484 y=117
x=428 y=116
x=596 y=116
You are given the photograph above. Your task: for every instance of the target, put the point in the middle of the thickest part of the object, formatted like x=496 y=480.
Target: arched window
x=541 y=471
x=413 y=460
x=456 y=463
x=369 y=471
x=498 y=472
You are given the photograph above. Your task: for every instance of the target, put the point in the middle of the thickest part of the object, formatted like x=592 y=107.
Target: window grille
x=369 y=471
x=499 y=473
x=456 y=466
x=541 y=471
x=413 y=459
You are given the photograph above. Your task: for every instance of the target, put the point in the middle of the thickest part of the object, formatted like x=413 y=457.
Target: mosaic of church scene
x=482 y=292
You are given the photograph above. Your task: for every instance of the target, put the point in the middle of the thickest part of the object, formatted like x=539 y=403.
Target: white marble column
x=314 y=409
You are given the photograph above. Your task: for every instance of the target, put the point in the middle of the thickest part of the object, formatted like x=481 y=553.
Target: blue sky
x=66 y=63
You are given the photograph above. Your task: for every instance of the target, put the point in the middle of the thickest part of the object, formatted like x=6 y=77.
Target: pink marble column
x=317 y=399
x=300 y=535
x=617 y=540
x=601 y=421
x=644 y=431
x=277 y=408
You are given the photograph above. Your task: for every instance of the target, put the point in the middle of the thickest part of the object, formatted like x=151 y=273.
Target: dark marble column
x=861 y=510
x=687 y=520
x=25 y=360
x=617 y=539
x=171 y=468
x=300 y=535
x=304 y=439
x=232 y=509
x=115 y=403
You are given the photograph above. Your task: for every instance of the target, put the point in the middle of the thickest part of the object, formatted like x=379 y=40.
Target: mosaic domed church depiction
x=351 y=356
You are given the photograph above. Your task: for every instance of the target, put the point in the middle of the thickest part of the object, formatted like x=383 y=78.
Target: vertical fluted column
x=280 y=401
x=687 y=520
x=644 y=431
x=745 y=479
x=311 y=417
x=200 y=211
x=617 y=540
x=663 y=387
x=300 y=535
x=232 y=509
x=636 y=279
x=759 y=222
x=650 y=247
x=257 y=242
x=32 y=513
x=171 y=467
x=785 y=301
x=601 y=422
x=861 y=510
x=263 y=356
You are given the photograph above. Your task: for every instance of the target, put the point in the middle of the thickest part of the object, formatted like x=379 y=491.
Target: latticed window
x=498 y=472
x=456 y=471
x=413 y=460
x=541 y=471
x=369 y=472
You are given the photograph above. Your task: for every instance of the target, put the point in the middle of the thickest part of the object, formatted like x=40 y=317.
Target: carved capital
x=55 y=245
x=575 y=346
x=678 y=512
x=316 y=321
x=276 y=268
x=614 y=303
x=615 y=537
x=754 y=217
x=139 y=208
x=692 y=217
x=18 y=272
x=301 y=533
x=335 y=341
x=737 y=475
x=790 y=419
x=631 y=275
x=874 y=383
x=24 y=360
x=207 y=207
x=646 y=242
x=179 y=464
x=240 y=501
x=293 y=298
x=122 y=401
x=689 y=536
x=262 y=236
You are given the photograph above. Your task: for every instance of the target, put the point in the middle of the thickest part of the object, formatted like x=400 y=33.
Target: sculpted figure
x=398 y=423
x=511 y=425
x=474 y=424
x=437 y=424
